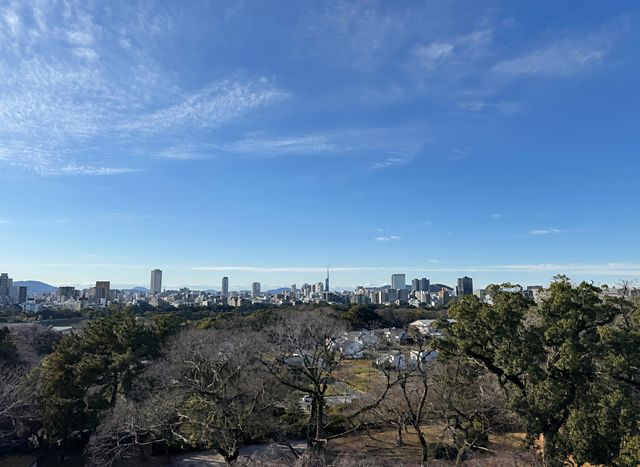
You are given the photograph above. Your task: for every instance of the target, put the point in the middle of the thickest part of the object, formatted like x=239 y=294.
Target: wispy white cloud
x=496 y=216
x=217 y=103
x=459 y=153
x=387 y=238
x=390 y=162
x=68 y=101
x=72 y=169
x=80 y=38
x=86 y=53
x=399 y=144
x=433 y=55
x=471 y=70
x=12 y=21
x=273 y=146
x=564 y=57
x=502 y=107
x=472 y=105
x=550 y=231
x=455 y=57
x=367 y=33
x=180 y=153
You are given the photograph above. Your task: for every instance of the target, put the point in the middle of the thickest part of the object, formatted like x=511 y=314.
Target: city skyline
x=263 y=141
x=408 y=276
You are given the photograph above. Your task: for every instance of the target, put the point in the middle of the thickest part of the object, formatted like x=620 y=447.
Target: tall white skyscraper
x=398 y=281
x=156 y=282
x=225 y=286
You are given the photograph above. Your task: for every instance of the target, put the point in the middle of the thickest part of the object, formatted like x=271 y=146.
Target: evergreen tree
x=570 y=366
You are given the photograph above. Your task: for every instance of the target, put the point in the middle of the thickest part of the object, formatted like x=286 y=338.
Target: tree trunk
x=166 y=452
x=319 y=435
x=400 y=440
x=310 y=424
x=423 y=444
x=549 y=454
x=114 y=390
x=460 y=455
x=319 y=417
x=229 y=456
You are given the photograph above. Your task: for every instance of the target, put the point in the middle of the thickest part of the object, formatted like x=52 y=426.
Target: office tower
x=415 y=285
x=465 y=286
x=225 y=286
x=102 y=290
x=18 y=294
x=255 y=289
x=392 y=295
x=66 y=293
x=156 y=282
x=398 y=281
x=293 y=291
x=425 y=285
x=382 y=297
x=326 y=282
x=403 y=295
x=5 y=284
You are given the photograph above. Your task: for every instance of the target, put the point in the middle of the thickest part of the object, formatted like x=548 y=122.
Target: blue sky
x=268 y=140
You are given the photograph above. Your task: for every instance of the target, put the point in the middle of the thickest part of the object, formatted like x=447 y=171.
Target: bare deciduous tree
x=19 y=416
x=132 y=427
x=227 y=397
x=408 y=386
x=208 y=391
x=299 y=354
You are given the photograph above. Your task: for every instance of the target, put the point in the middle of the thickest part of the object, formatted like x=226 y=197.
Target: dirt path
x=209 y=458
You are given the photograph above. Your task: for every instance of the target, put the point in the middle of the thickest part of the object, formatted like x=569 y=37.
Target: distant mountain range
x=36 y=287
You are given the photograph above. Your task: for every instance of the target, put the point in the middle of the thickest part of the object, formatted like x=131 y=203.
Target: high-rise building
x=398 y=281
x=326 y=282
x=102 y=291
x=293 y=291
x=156 y=282
x=392 y=295
x=415 y=285
x=225 y=286
x=403 y=295
x=465 y=286
x=18 y=294
x=425 y=285
x=255 y=289
x=5 y=284
x=66 y=293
